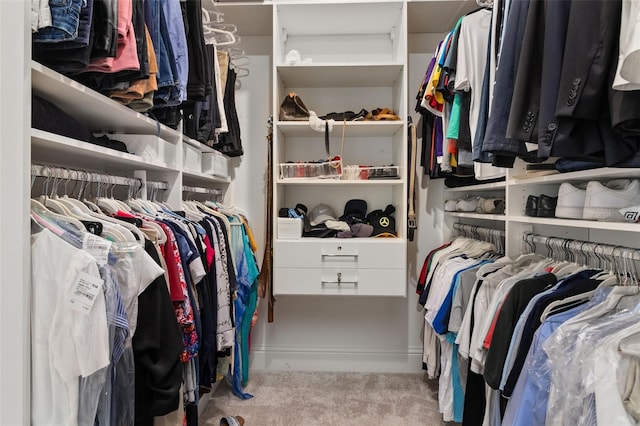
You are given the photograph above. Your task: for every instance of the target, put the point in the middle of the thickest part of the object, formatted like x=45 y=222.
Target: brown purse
x=293 y=109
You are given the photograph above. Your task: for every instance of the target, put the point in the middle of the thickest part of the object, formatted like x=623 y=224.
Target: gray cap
x=320 y=214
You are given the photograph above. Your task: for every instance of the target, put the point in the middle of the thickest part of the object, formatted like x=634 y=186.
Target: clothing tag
x=96 y=247
x=84 y=292
x=531 y=146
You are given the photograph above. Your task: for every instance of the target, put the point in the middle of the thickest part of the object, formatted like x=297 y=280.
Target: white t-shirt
x=134 y=270
x=472 y=59
x=628 y=71
x=66 y=343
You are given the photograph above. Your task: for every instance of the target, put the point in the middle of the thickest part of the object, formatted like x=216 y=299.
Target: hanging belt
x=411 y=214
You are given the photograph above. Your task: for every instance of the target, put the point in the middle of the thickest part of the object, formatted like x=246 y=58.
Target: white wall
x=15 y=120
x=328 y=333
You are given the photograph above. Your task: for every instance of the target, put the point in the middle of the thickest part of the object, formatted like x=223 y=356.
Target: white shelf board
x=401 y=242
x=49 y=148
x=193 y=178
x=436 y=16
x=96 y=111
x=337 y=17
x=483 y=216
x=570 y=223
x=340 y=75
x=481 y=187
x=251 y=18
x=580 y=176
x=337 y=182
x=354 y=128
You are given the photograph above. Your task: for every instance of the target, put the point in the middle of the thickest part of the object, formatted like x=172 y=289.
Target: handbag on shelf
x=293 y=109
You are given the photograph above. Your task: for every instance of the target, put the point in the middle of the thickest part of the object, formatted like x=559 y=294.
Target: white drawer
x=332 y=253
x=352 y=282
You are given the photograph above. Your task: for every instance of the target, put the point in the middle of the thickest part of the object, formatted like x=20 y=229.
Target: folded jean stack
x=476 y=205
x=617 y=200
x=148 y=55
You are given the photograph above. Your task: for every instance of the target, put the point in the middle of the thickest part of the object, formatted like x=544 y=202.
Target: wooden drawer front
x=354 y=282
x=340 y=254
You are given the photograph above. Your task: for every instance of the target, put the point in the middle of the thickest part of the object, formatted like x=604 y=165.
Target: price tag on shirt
x=97 y=247
x=84 y=292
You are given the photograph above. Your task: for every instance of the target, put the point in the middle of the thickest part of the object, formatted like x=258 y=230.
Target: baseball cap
x=355 y=211
x=384 y=225
x=320 y=214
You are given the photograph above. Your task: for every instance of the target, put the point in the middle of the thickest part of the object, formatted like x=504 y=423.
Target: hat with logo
x=384 y=225
x=320 y=214
x=355 y=211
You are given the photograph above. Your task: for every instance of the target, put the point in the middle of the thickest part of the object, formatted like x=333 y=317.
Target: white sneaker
x=467 y=205
x=571 y=200
x=602 y=202
x=450 y=205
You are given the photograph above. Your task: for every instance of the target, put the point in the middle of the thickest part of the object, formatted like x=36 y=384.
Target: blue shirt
x=441 y=320
x=528 y=402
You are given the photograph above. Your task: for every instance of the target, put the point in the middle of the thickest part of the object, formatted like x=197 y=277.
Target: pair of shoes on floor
x=541 y=206
x=232 y=421
x=475 y=204
x=595 y=200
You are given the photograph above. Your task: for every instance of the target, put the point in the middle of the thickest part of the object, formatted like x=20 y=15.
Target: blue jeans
x=65 y=16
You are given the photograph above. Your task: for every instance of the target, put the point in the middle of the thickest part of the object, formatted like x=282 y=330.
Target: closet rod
x=477 y=229
x=571 y=248
x=199 y=190
x=91 y=177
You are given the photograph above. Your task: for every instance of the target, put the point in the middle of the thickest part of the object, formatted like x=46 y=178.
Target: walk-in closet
x=292 y=212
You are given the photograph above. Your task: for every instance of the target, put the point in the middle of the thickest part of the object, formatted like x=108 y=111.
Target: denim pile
x=149 y=55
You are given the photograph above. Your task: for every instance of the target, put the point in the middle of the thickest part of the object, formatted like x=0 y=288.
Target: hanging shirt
x=134 y=270
x=66 y=343
x=628 y=69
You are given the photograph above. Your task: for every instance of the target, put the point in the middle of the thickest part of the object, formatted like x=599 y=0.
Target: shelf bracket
x=393 y=33
x=285 y=35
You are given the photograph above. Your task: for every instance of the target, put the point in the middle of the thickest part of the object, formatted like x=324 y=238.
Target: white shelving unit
x=158 y=152
x=354 y=64
x=516 y=224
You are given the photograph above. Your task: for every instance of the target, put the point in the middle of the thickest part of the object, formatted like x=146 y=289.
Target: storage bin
x=289 y=228
x=318 y=170
x=215 y=163
x=355 y=172
x=191 y=158
x=150 y=147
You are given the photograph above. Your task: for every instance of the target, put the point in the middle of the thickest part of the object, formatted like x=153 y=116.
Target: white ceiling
x=424 y=16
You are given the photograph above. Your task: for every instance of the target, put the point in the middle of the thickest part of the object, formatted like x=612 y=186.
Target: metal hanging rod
x=478 y=230
x=571 y=249
x=490 y=235
x=91 y=177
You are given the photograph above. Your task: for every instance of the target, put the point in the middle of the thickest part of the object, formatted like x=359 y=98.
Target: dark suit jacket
x=525 y=105
x=583 y=106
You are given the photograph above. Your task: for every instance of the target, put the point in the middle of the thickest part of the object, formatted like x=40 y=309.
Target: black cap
x=355 y=211
x=384 y=225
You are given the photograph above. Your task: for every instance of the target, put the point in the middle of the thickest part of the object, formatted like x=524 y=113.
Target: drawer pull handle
x=339 y=255
x=355 y=283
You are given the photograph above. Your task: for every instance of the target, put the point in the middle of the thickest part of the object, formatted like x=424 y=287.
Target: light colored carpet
x=286 y=398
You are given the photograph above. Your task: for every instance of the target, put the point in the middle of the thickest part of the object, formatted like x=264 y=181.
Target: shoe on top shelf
x=450 y=205
x=490 y=205
x=547 y=206
x=602 y=202
x=571 y=200
x=467 y=204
